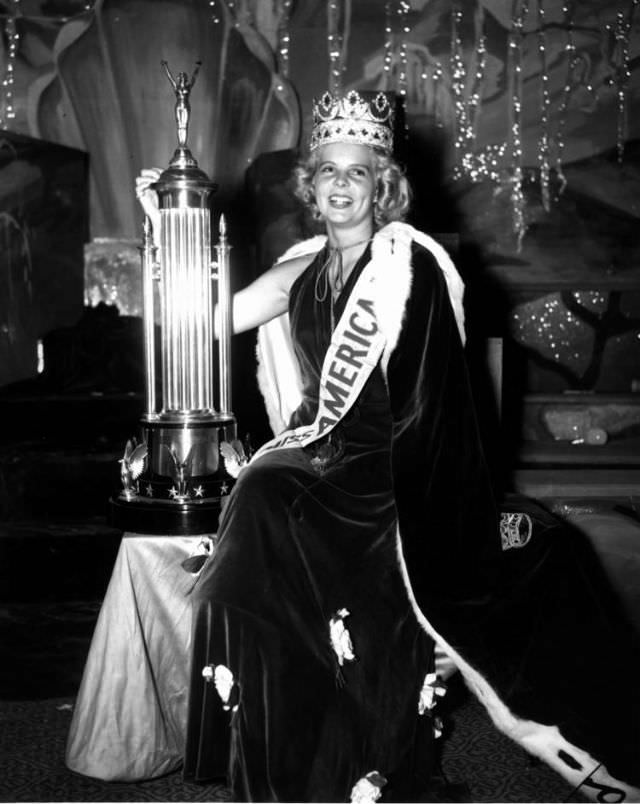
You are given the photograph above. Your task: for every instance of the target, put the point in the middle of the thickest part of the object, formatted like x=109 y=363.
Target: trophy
x=174 y=480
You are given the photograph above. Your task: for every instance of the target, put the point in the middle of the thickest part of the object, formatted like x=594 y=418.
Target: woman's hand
x=147 y=197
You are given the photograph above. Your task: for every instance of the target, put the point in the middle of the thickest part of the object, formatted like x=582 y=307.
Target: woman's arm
x=267 y=296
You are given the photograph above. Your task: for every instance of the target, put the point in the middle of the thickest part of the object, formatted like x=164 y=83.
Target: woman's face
x=344 y=184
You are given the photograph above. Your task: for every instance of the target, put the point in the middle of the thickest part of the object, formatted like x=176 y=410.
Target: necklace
x=333 y=265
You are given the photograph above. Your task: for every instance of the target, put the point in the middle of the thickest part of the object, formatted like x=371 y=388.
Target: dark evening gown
x=308 y=534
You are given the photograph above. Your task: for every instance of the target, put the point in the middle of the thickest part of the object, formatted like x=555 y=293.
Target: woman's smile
x=344 y=185
x=340 y=201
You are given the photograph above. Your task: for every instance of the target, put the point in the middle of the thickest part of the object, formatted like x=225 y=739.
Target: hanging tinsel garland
x=387 y=60
x=543 y=139
x=284 y=15
x=214 y=12
x=561 y=117
x=401 y=57
x=12 y=36
x=458 y=80
x=514 y=80
x=402 y=12
x=621 y=33
x=480 y=61
x=467 y=87
x=338 y=11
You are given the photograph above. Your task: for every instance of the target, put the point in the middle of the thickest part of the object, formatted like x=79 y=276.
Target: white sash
x=356 y=345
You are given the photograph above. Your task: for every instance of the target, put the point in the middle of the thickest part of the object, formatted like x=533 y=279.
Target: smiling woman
x=304 y=602
x=366 y=531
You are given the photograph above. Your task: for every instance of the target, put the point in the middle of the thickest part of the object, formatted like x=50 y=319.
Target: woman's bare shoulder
x=285 y=272
x=296 y=264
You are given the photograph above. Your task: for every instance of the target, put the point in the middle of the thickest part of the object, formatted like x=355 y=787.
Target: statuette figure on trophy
x=182 y=86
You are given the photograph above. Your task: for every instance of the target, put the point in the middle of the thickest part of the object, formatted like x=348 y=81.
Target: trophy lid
x=183 y=167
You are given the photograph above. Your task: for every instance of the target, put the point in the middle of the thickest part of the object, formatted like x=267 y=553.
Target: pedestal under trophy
x=174 y=480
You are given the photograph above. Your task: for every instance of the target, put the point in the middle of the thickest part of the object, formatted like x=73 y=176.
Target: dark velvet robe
x=539 y=623
x=400 y=526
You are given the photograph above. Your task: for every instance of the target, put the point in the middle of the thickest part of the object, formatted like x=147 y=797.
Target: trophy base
x=183 y=486
x=165 y=518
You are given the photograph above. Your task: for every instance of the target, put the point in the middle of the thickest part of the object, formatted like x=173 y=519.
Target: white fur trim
x=278 y=375
x=392 y=244
x=311 y=246
x=391 y=250
x=542 y=741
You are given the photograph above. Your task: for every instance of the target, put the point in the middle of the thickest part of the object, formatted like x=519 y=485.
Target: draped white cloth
x=130 y=714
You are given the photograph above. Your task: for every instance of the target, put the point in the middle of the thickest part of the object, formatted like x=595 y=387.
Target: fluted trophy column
x=174 y=479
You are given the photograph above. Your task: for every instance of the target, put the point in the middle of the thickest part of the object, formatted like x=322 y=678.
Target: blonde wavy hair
x=392 y=196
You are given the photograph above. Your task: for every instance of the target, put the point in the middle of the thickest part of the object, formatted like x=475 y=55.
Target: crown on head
x=363 y=118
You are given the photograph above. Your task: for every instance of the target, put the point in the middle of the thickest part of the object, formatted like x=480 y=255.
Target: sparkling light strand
x=543 y=141
x=622 y=33
x=387 y=62
x=475 y=93
x=482 y=164
x=467 y=90
x=458 y=80
x=214 y=11
x=475 y=96
x=337 y=42
x=284 y=36
x=402 y=12
x=13 y=40
x=516 y=37
x=403 y=79
x=570 y=50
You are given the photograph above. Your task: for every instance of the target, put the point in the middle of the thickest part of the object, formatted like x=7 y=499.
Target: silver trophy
x=174 y=481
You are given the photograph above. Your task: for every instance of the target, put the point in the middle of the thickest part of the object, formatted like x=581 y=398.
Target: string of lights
x=284 y=15
x=214 y=11
x=480 y=55
x=387 y=61
x=543 y=140
x=402 y=12
x=337 y=41
x=458 y=81
x=570 y=52
x=467 y=88
x=7 y=111
x=621 y=33
x=514 y=71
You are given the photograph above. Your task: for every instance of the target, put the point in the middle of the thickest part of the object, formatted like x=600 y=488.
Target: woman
x=368 y=528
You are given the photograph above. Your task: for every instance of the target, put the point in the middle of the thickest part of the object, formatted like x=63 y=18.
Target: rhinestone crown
x=364 y=118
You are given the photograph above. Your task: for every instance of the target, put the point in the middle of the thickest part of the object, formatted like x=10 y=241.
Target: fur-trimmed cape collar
x=391 y=248
x=391 y=251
